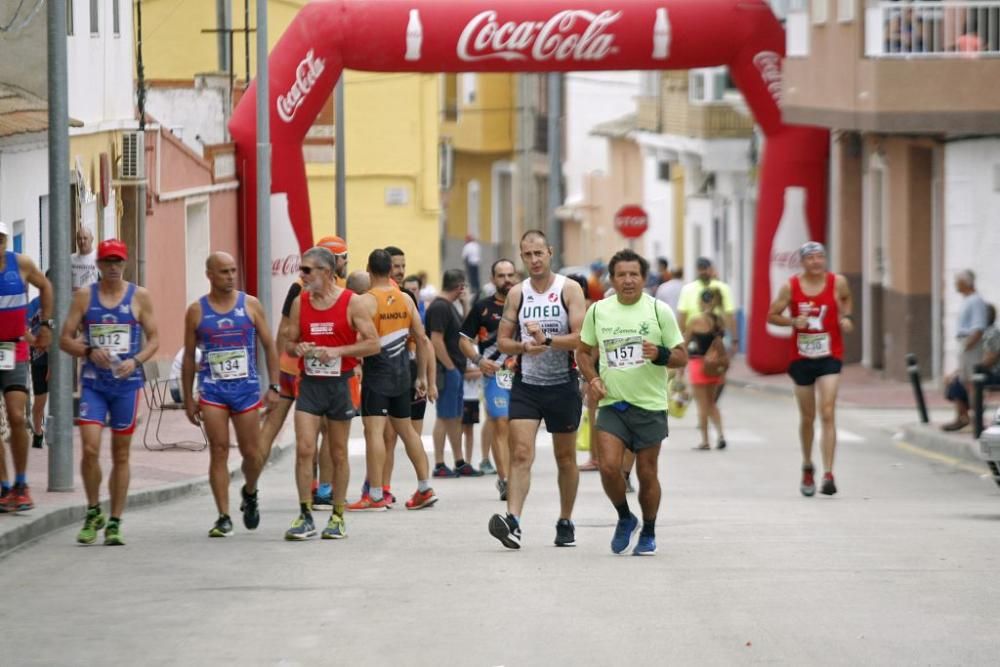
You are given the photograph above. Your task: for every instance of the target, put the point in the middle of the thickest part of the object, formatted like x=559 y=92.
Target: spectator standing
x=972 y=323
x=471 y=255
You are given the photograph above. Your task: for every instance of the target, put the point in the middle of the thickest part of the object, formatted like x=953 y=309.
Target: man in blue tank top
x=225 y=325
x=114 y=314
x=16 y=273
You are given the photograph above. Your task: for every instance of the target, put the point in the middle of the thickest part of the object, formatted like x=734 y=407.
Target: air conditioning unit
x=133 y=162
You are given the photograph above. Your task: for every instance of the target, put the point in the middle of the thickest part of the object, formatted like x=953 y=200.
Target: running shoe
x=302 y=528
x=250 y=508
x=466 y=470
x=92 y=523
x=487 y=468
x=321 y=502
x=390 y=499
x=646 y=546
x=722 y=444
x=625 y=532
x=502 y=488
x=366 y=488
x=441 y=470
x=5 y=495
x=507 y=530
x=18 y=500
x=336 y=528
x=113 y=534
x=808 y=484
x=829 y=486
x=37 y=440
x=366 y=504
x=565 y=533
x=223 y=526
x=421 y=499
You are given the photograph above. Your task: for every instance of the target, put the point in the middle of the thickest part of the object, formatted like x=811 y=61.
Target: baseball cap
x=334 y=244
x=4 y=229
x=112 y=248
x=703 y=263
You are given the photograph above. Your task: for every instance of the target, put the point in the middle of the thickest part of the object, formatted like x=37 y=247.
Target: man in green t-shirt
x=635 y=338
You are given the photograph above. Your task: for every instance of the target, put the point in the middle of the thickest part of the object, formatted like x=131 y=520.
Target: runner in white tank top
x=541 y=326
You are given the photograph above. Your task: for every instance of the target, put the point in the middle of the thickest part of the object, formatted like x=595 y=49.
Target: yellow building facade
x=391 y=131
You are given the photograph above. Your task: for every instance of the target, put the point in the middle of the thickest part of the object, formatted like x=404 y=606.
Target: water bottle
x=116 y=363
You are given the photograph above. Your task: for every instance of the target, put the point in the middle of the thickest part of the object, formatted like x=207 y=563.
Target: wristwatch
x=275 y=388
x=51 y=324
x=548 y=341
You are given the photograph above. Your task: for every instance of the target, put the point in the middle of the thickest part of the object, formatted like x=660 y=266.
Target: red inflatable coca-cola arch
x=541 y=36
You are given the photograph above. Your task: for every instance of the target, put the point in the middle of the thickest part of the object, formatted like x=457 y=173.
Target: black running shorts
x=374 y=404
x=804 y=372
x=328 y=397
x=558 y=405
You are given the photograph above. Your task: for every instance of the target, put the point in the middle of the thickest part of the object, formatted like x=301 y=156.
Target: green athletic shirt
x=617 y=331
x=689 y=301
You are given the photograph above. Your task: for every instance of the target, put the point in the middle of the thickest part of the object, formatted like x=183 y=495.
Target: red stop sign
x=631 y=221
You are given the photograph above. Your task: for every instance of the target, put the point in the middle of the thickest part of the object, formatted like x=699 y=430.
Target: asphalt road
x=898 y=568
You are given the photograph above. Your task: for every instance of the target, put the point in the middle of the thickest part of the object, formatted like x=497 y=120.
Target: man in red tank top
x=819 y=311
x=328 y=331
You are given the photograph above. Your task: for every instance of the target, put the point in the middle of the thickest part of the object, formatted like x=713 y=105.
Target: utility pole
x=340 y=158
x=263 y=166
x=140 y=188
x=555 y=166
x=60 y=365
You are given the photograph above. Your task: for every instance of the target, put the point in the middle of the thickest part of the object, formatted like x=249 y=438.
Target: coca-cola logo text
x=306 y=75
x=768 y=63
x=785 y=259
x=557 y=38
x=285 y=266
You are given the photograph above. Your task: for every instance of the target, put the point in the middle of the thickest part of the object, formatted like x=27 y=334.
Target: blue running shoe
x=624 y=533
x=646 y=546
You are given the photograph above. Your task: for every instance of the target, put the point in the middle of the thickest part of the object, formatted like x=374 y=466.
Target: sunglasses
x=306 y=270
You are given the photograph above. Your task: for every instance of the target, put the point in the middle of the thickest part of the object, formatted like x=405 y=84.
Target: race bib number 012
x=317 y=368
x=814 y=346
x=228 y=364
x=8 y=356
x=624 y=352
x=112 y=338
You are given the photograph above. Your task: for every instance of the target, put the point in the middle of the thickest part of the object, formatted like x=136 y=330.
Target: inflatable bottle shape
x=791 y=234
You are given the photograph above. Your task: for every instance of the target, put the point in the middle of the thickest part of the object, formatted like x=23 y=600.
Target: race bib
x=814 y=345
x=229 y=364
x=624 y=352
x=317 y=368
x=505 y=379
x=8 y=356
x=112 y=338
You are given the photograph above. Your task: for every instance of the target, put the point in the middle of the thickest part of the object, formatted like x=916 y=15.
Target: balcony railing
x=932 y=29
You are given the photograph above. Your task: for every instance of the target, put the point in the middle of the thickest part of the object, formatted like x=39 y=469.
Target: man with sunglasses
x=328 y=330
x=16 y=273
x=288 y=378
x=114 y=315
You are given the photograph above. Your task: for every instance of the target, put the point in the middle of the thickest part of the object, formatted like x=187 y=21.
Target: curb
x=43 y=523
x=925 y=437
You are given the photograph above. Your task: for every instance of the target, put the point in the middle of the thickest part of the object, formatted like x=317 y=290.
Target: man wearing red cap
x=114 y=314
x=16 y=272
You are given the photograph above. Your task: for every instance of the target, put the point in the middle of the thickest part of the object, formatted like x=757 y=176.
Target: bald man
x=225 y=325
x=359 y=282
x=84 y=261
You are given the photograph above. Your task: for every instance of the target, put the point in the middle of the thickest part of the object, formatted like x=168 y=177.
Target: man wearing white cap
x=819 y=307
x=16 y=272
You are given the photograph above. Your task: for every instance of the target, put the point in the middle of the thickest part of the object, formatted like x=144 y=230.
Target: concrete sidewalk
x=157 y=476
x=866 y=388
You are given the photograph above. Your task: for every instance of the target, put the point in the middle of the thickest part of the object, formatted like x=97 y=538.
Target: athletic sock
x=423 y=485
x=623 y=510
x=94 y=508
x=459 y=463
x=338 y=509
x=649 y=527
x=375 y=494
x=517 y=519
x=5 y=485
x=115 y=519
x=304 y=509
x=21 y=479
